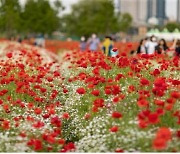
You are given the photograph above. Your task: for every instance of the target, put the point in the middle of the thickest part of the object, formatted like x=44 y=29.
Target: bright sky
x=171 y=6
x=67 y=4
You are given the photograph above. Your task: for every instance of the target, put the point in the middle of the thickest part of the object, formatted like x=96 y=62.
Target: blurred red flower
x=9 y=55
x=95 y=92
x=66 y=115
x=153 y=118
x=143 y=103
x=81 y=91
x=99 y=102
x=144 y=81
x=37 y=110
x=163 y=135
x=159 y=144
x=116 y=115
x=114 y=129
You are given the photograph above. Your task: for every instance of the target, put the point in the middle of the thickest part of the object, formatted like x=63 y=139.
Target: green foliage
x=171 y=26
x=37 y=16
x=9 y=16
x=42 y=19
x=125 y=21
x=95 y=16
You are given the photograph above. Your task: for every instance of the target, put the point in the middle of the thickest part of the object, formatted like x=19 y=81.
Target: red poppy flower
x=56 y=121
x=119 y=150
x=142 y=103
x=144 y=81
x=160 y=111
x=131 y=88
x=159 y=102
x=9 y=55
x=95 y=92
x=66 y=115
x=129 y=45
x=87 y=116
x=1 y=102
x=119 y=76
x=107 y=91
x=164 y=133
x=178 y=133
x=51 y=139
x=6 y=107
x=116 y=115
x=115 y=49
x=22 y=134
x=171 y=100
x=156 y=72
x=37 y=110
x=114 y=129
x=38 y=124
x=5 y=124
x=81 y=91
x=50 y=79
x=142 y=124
x=37 y=144
x=61 y=141
x=68 y=147
x=159 y=144
x=116 y=99
x=153 y=118
x=95 y=109
x=99 y=102
x=176 y=82
x=115 y=89
x=43 y=90
x=65 y=90
x=175 y=94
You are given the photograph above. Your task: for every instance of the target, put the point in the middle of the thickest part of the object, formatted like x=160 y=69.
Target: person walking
x=161 y=47
x=40 y=41
x=93 y=43
x=151 y=44
x=176 y=47
x=83 y=44
x=107 y=46
x=142 y=49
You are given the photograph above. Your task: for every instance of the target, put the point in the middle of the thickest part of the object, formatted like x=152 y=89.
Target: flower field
x=86 y=102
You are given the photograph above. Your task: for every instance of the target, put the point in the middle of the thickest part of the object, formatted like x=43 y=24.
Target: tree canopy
x=95 y=16
x=9 y=16
x=37 y=16
x=171 y=26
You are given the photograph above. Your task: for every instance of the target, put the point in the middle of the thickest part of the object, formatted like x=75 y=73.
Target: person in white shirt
x=40 y=41
x=151 y=44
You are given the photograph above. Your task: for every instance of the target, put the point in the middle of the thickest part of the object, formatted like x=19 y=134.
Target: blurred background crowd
x=81 y=21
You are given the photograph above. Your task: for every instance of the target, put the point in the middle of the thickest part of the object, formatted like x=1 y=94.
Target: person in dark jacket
x=176 y=47
x=142 y=48
x=161 y=47
x=83 y=44
x=107 y=46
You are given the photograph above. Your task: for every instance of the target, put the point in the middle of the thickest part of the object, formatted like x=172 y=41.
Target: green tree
x=37 y=16
x=10 y=16
x=124 y=21
x=95 y=16
x=40 y=17
x=171 y=26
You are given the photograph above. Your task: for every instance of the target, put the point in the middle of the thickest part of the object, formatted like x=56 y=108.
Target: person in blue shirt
x=93 y=43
